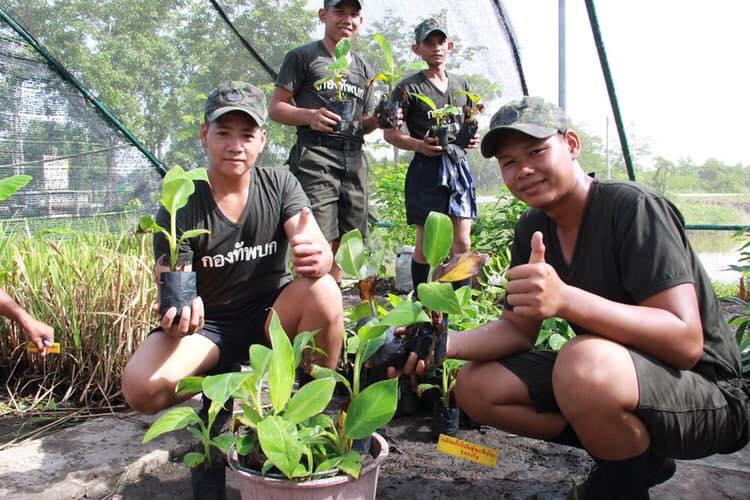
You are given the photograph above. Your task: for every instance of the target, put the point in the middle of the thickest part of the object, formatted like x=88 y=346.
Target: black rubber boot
x=616 y=480
x=419 y=274
x=209 y=483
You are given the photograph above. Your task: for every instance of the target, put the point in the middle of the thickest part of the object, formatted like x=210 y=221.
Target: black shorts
x=687 y=415
x=422 y=190
x=234 y=334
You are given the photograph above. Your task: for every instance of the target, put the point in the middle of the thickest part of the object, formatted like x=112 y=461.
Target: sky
x=679 y=67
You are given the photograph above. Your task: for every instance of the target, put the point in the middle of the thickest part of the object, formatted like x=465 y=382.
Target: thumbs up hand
x=311 y=253
x=535 y=290
x=537 y=249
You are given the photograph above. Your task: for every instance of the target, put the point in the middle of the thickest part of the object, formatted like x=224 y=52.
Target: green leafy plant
x=437 y=293
x=475 y=107
x=177 y=187
x=443 y=115
x=291 y=434
x=9 y=185
x=449 y=370
x=338 y=68
x=360 y=263
x=741 y=321
x=553 y=335
x=393 y=73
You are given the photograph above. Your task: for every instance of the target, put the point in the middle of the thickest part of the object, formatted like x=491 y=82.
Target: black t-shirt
x=305 y=65
x=417 y=114
x=238 y=263
x=632 y=245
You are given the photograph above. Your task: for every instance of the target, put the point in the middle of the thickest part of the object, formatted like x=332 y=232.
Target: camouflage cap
x=423 y=29
x=531 y=115
x=334 y=3
x=237 y=96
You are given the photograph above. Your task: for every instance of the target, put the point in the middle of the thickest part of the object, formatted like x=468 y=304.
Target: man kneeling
x=654 y=371
x=260 y=212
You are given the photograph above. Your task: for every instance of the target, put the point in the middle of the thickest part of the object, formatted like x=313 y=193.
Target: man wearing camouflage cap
x=654 y=372
x=427 y=186
x=254 y=215
x=327 y=157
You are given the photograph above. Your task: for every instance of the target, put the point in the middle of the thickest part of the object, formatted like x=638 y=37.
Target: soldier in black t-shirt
x=327 y=158
x=654 y=371
x=254 y=215
x=437 y=180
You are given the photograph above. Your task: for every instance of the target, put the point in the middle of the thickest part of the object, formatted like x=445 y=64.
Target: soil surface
x=415 y=470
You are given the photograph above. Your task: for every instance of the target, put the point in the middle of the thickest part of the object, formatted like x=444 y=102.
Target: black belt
x=330 y=141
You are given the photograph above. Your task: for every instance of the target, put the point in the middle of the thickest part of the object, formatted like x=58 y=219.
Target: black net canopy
x=98 y=98
x=81 y=164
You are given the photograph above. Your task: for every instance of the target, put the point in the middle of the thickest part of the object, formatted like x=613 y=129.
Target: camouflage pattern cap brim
x=334 y=3
x=531 y=115
x=228 y=109
x=236 y=96
x=426 y=28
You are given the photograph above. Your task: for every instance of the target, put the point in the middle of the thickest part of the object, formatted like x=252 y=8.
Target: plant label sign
x=467 y=450
x=53 y=348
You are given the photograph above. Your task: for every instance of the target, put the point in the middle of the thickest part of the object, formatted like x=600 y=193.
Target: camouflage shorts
x=335 y=181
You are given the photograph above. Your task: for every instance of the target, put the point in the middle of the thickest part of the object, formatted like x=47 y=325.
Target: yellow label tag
x=468 y=451
x=54 y=348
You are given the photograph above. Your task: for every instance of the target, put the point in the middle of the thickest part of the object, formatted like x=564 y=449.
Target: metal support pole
x=610 y=88
x=561 y=75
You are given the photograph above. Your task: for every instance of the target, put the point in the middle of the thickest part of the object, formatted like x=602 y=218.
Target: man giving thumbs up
x=653 y=373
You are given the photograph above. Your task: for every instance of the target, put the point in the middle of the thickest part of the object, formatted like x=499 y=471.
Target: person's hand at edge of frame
x=39 y=333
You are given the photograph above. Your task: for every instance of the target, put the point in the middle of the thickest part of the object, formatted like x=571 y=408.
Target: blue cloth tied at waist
x=455 y=175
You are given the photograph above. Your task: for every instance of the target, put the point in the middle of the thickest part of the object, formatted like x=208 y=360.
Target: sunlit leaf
x=9 y=185
x=281 y=371
x=371 y=409
x=279 y=443
x=312 y=398
x=438 y=238
x=460 y=267
x=175 y=419
x=439 y=297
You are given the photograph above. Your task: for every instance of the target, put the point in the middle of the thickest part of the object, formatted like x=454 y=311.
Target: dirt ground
x=415 y=470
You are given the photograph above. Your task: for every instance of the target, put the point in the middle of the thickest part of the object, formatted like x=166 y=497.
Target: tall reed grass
x=94 y=287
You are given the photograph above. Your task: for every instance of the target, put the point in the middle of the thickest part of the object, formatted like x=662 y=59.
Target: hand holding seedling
x=323 y=120
x=311 y=254
x=430 y=146
x=190 y=321
x=535 y=289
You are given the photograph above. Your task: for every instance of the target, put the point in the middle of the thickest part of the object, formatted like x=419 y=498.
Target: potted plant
x=470 y=124
x=436 y=295
x=289 y=448
x=336 y=72
x=390 y=76
x=176 y=287
x=443 y=117
x=9 y=185
x=445 y=414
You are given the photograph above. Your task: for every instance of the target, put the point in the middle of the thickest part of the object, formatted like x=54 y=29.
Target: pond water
x=717 y=250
